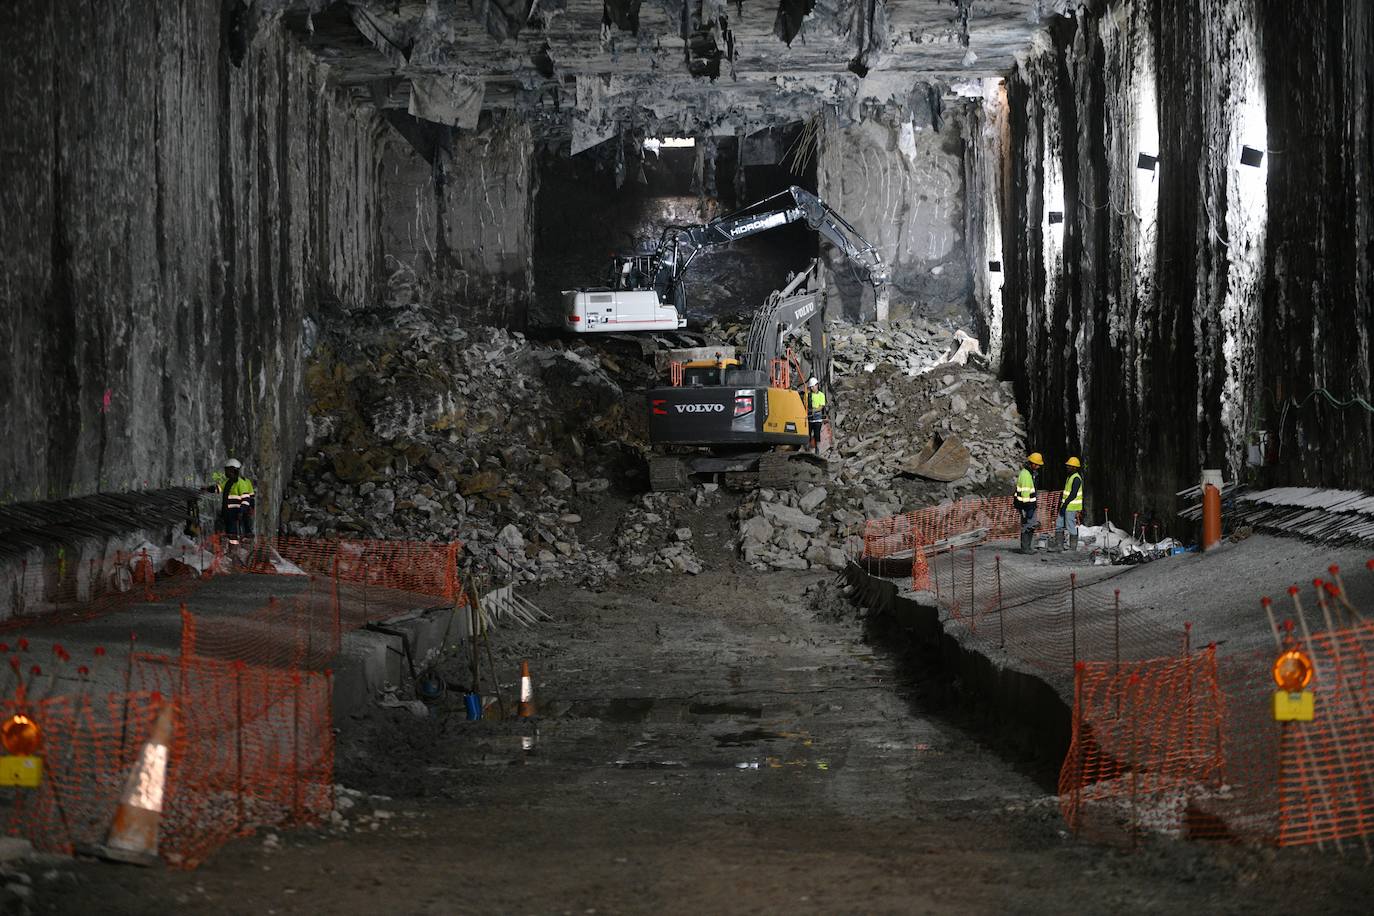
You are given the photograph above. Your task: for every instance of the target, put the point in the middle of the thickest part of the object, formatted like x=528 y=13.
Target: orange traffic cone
x=526 y=708
x=133 y=835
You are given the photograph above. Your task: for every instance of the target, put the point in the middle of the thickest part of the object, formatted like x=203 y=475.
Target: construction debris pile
x=918 y=418
x=421 y=428
x=653 y=534
x=531 y=453
x=787 y=529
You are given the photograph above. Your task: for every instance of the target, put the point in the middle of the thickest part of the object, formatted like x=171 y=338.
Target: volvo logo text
x=700 y=408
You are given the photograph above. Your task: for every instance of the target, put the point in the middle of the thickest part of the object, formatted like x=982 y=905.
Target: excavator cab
x=699 y=373
x=723 y=415
x=632 y=272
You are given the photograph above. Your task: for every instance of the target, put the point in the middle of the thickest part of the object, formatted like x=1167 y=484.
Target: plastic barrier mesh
x=1189 y=746
x=253 y=747
x=253 y=737
x=89 y=743
x=1051 y=619
x=912 y=533
x=69 y=592
x=1166 y=738
x=1326 y=778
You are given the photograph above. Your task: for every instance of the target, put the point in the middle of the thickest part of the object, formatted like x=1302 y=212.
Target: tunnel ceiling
x=594 y=67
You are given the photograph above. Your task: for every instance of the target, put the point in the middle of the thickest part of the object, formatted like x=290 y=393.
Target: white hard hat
x=234 y=463
x=813 y=381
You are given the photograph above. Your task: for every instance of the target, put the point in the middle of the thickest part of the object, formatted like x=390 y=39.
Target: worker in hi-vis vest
x=1070 y=505
x=236 y=501
x=1026 y=500
x=815 y=412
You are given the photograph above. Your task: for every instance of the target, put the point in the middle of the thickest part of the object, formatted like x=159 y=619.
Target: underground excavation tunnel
x=686 y=456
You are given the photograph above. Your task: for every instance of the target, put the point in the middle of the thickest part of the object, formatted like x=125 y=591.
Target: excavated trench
x=1156 y=213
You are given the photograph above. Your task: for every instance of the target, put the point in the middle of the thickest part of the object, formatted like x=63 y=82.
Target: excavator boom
x=652 y=298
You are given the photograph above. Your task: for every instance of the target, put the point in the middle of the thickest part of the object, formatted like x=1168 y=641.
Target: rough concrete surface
x=694 y=755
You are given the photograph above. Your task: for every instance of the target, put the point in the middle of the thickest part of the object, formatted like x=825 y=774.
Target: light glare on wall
x=657 y=143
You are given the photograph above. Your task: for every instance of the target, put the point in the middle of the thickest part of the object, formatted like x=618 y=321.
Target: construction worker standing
x=236 y=501
x=1070 y=505
x=815 y=412
x=1026 y=500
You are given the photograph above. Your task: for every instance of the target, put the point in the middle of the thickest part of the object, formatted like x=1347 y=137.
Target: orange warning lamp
x=20 y=735
x=1293 y=671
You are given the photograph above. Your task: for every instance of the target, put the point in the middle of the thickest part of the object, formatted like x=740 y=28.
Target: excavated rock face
x=170 y=211
x=897 y=175
x=591 y=68
x=1178 y=313
x=192 y=190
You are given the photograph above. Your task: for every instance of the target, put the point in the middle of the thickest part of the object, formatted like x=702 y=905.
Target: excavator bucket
x=943 y=461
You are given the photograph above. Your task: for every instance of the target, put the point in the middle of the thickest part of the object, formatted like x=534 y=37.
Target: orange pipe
x=1211 y=517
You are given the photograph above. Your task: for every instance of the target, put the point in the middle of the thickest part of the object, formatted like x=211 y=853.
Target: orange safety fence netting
x=1188 y=746
x=300 y=630
x=253 y=736
x=1326 y=781
x=253 y=747
x=89 y=745
x=375 y=579
x=1147 y=749
x=912 y=533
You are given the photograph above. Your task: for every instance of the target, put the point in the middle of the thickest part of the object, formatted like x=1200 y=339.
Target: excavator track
x=667 y=474
x=775 y=470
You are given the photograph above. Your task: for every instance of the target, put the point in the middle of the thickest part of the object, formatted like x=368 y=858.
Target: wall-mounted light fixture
x=995 y=266
x=1056 y=217
x=1251 y=156
x=1146 y=161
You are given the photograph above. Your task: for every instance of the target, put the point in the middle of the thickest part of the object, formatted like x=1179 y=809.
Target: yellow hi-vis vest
x=1076 y=505
x=816 y=403
x=1025 y=487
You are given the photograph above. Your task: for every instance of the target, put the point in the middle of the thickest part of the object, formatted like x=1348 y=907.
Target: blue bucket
x=473 y=701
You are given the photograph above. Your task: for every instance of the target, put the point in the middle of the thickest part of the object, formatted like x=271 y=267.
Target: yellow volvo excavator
x=728 y=415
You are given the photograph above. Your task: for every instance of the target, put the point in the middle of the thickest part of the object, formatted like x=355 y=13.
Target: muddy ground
x=729 y=742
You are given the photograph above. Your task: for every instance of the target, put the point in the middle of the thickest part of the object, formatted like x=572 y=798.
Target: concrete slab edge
x=1024 y=708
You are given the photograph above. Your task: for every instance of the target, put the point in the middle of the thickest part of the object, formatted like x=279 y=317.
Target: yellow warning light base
x=1294 y=707
x=23 y=771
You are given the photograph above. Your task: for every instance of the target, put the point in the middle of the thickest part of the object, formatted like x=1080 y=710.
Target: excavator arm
x=785 y=314
x=679 y=245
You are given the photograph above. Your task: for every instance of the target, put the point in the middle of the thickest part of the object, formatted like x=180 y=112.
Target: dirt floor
x=730 y=742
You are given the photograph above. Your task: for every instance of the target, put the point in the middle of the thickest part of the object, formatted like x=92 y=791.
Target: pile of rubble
x=900 y=390
x=653 y=534
x=530 y=454
x=421 y=428
x=786 y=529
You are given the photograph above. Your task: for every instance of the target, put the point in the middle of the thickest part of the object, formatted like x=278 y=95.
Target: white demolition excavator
x=646 y=292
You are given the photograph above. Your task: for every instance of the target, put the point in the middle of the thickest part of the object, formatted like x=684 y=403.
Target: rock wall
x=460 y=219
x=1176 y=315
x=171 y=209
x=897 y=175
x=985 y=140
x=613 y=200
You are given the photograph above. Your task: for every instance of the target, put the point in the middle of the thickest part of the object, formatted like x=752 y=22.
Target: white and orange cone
x=133 y=835
x=526 y=707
